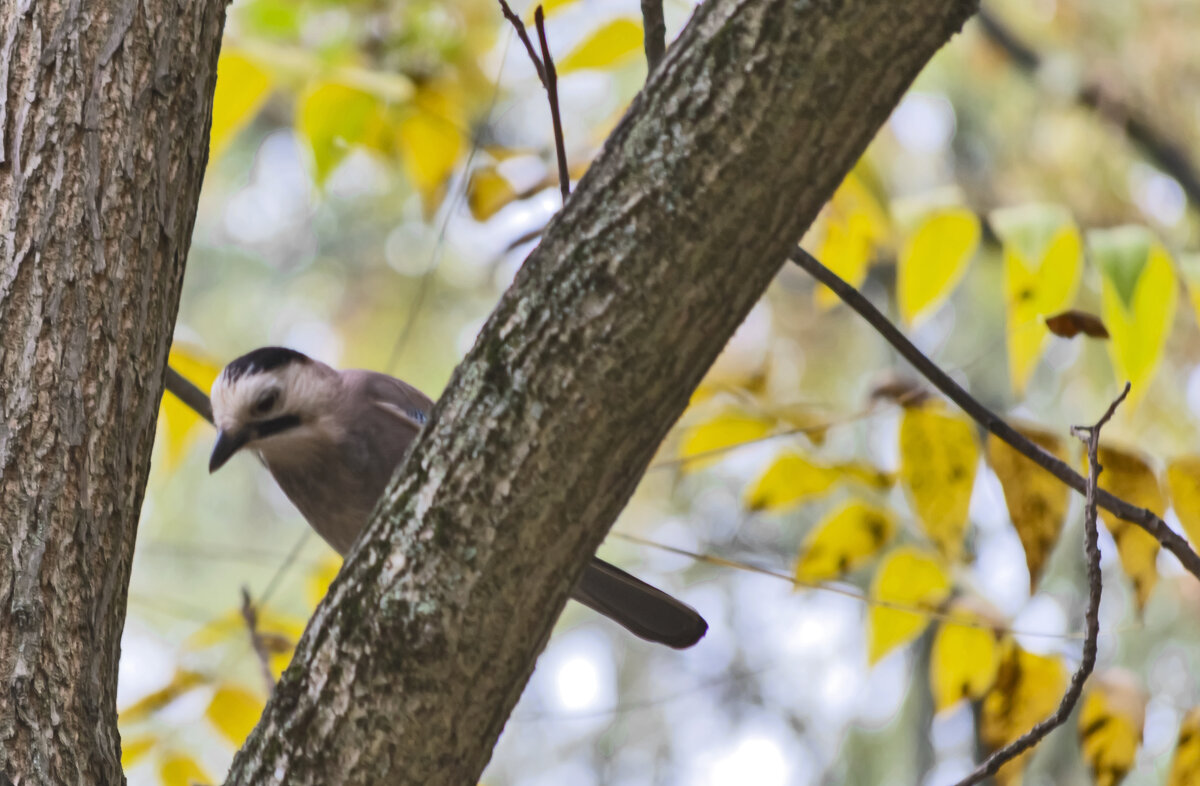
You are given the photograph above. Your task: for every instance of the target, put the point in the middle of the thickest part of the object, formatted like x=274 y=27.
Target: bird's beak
x=228 y=443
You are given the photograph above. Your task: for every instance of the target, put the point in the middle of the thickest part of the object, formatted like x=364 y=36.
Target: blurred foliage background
x=380 y=169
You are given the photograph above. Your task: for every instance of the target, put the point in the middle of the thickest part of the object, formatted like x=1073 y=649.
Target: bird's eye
x=266 y=402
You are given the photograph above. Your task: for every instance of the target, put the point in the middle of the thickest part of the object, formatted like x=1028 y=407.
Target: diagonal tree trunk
x=411 y=666
x=104 y=114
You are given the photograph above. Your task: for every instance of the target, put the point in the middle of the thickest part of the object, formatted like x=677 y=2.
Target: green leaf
x=271 y=17
x=334 y=118
x=1121 y=254
x=1030 y=228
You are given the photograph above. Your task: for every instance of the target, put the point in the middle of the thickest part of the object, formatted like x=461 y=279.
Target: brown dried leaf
x=1070 y=324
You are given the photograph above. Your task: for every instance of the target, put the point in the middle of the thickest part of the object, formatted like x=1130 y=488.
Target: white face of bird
x=270 y=396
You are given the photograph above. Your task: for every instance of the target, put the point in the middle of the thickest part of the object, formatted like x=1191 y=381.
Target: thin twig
x=447 y=211
x=523 y=34
x=189 y=394
x=1147 y=520
x=845 y=591
x=1091 y=437
x=1164 y=152
x=250 y=615
x=551 y=83
x=655 y=31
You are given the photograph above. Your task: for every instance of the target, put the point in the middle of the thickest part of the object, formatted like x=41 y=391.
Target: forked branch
x=1090 y=435
x=1147 y=520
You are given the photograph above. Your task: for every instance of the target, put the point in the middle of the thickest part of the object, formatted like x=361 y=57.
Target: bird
x=332 y=440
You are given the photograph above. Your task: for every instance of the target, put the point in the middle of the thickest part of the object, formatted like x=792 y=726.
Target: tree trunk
x=411 y=666
x=104 y=113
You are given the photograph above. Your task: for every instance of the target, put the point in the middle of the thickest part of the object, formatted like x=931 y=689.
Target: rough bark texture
x=104 y=113
x=411 y=666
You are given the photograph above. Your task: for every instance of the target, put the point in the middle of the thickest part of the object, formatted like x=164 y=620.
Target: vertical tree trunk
x=104 y=114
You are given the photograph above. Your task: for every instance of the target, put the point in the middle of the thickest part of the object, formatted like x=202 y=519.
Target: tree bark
x=104 y=115
x=412 y=664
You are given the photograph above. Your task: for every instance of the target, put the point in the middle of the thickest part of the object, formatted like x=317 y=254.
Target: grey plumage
x=332 y=441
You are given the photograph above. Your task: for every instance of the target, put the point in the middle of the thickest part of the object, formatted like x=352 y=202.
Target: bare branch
x=189 y=394
x=1162 y=151
x=1091 y=438
x=655 y=31
x=551 y=83
x=549 y=78
x=250 y=615
x=1147 y=520
x=523 y=34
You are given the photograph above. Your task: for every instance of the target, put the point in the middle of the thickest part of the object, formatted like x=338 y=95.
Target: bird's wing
x=395 y=397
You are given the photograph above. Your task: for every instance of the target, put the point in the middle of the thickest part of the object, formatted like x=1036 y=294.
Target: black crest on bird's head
x=260 y=360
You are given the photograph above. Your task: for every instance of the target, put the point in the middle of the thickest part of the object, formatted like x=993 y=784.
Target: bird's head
x=270 y=397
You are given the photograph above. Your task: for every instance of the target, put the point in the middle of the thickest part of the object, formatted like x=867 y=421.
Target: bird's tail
x=639 y=608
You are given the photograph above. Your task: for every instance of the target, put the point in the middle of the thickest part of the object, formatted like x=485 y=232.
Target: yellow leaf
x=938 y=458
x=1110 y=726
x=854 y=225
x=722 y=432
x=907 y=577
x=1185 y=766
x=1183 y=481
x=431 y=143
x=179 y=423
x=334 y=118
x=1137 y=302
x=865 y=474
x=790 y=479
x=181 y=683
x=320 y=577
x=615 y=41
x=964 y=660
x=234 y=712
x=242 y=88
x=179 y=769
x=1037 y=501
x=1028 y=688
x=232 y=625
x=550 y=6
x=487 y=192
x=1043 y=262
x=1129 y=477
x=934 y=260
x=135 y=749
x=1189 y=268
x=843 y=541
x=279 y=661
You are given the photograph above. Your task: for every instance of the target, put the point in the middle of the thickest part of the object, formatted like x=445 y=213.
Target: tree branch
x=412 y=663
x=1147 y=520
x=182 y=388
x=654 y=31
x=560 y=148
x=523 y=34
x=250 y=616
x=1164 y=152
x=1091 y=438
x=104 y=130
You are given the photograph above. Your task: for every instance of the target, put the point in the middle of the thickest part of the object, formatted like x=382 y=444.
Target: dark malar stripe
x=275 y=425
